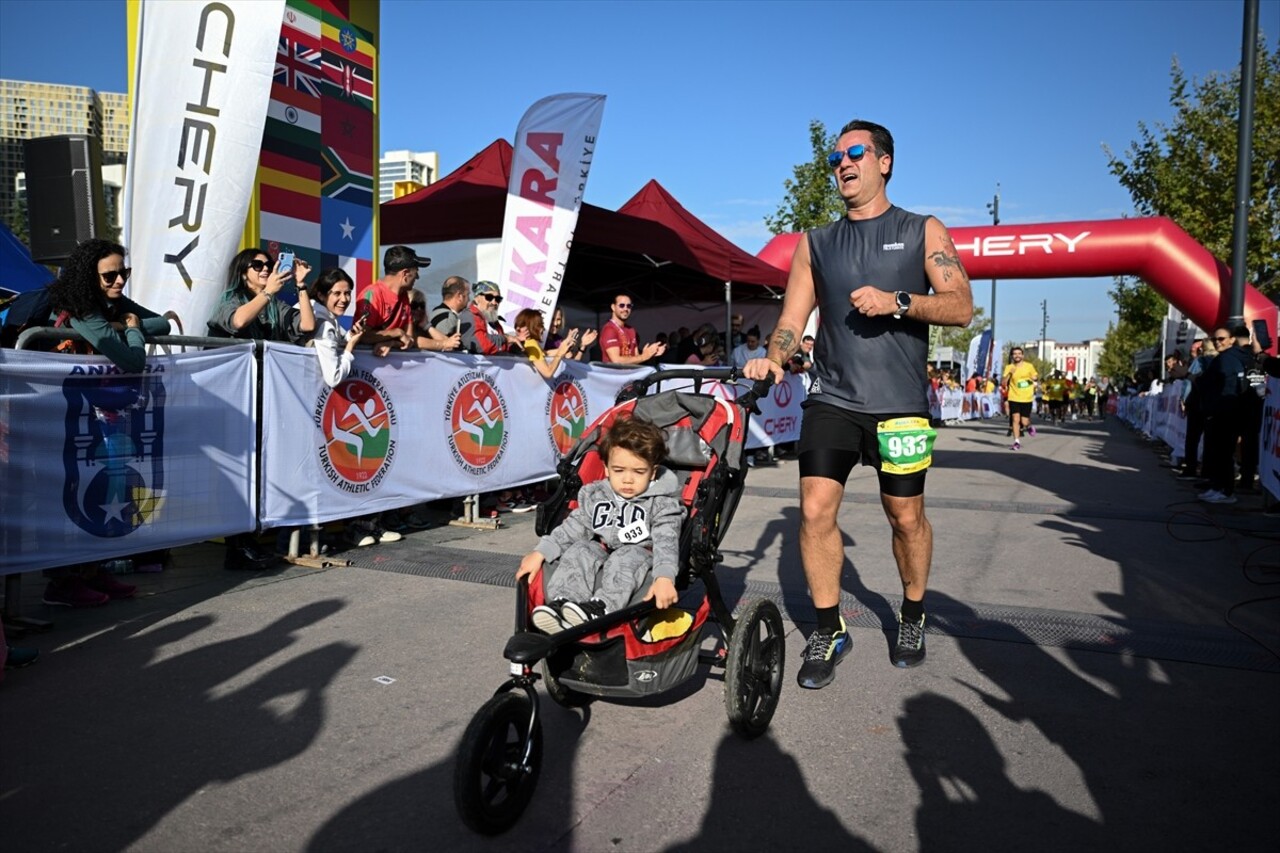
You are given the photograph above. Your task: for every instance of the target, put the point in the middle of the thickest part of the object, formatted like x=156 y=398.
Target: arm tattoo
x=783 y=344
x=947 y=260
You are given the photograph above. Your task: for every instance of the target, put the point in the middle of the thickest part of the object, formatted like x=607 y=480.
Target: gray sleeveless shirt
x=874 y=365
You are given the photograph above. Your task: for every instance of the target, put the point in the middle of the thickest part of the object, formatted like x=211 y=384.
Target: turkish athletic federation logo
x=477 y=423
x=359 y=426
x=566 y=415
x=113 y=451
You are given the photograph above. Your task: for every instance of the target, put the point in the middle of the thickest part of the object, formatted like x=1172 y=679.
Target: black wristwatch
x=904 y=303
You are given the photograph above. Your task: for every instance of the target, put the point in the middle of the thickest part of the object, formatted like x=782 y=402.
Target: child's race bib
x=636 y=531
x=906 y=445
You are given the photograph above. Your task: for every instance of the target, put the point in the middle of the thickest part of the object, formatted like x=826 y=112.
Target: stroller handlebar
x=730 y=375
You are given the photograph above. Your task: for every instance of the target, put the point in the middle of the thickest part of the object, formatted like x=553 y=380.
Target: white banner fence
x=98 y=464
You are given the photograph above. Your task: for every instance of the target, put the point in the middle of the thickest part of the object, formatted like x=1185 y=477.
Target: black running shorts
x=833 y=440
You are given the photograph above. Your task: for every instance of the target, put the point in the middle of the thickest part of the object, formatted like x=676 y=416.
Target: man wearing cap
x=485 y=335
x=385 y=308
x=618 y=341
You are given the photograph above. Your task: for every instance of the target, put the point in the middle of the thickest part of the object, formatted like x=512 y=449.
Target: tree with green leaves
x=811 y=199
x=959 y=337
x=1186 y=170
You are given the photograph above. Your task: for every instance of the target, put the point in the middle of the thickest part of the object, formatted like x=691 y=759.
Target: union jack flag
x=298 y=66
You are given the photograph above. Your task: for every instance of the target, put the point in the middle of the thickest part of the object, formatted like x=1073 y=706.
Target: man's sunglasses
x=496 y=300
x=1216 y=340
x=258 y=265
x=854 y=152
x=110 y=276
x=624 y=306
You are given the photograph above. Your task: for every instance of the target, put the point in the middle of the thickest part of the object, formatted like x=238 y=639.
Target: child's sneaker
x=547 y=620
x=577 y=613
x=1017 y=445
x=1031 y=431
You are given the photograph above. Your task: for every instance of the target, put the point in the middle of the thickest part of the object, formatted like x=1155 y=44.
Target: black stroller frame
x=499 y=758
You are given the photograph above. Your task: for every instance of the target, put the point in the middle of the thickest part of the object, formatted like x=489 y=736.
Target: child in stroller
x=644 y=647
x=624 y=527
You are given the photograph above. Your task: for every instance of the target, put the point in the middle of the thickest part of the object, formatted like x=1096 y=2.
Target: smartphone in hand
x=285 y=263
x=1261 y=335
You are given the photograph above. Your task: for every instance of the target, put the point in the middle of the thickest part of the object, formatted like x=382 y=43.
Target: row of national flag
x=316 y=193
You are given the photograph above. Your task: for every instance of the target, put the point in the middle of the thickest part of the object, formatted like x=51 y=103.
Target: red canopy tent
x=651 y=247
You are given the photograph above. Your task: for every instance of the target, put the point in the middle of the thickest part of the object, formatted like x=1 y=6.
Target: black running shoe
x=909 y=650
x=821 y=654
x=578 y=613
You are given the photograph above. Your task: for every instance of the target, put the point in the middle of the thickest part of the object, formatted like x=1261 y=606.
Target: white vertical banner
x=555 y=145
x=201 y=88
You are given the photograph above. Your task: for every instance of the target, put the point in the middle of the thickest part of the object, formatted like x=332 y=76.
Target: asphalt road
x=1083 y=688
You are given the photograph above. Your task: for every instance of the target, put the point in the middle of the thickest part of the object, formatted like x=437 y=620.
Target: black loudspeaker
x=64 y=194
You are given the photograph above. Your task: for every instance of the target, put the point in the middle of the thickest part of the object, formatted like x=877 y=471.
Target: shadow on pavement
x=967 y=800
x=760 y=801
x=1162 y=769
x=101 y=767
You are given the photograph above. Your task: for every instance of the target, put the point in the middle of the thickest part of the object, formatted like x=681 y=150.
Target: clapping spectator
x=618 y=340
x=530 y=322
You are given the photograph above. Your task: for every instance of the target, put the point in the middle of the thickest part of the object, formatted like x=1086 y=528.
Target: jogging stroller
x=636 y=651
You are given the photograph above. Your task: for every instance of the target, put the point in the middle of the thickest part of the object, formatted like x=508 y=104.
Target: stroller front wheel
x=492 y=780
x=753 y=670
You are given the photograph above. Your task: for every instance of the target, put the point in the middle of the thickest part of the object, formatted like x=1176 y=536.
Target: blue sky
x=713 y=99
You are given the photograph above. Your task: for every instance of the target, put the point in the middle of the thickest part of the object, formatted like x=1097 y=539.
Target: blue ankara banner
x=97 y=463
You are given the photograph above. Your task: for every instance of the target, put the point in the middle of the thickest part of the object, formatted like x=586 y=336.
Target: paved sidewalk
x=1083 y=689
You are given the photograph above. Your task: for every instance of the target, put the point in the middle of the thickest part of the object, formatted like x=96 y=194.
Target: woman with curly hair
x=249 y=308
x=89 y=297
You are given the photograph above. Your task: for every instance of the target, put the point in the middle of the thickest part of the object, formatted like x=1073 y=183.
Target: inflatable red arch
x=1153 y=249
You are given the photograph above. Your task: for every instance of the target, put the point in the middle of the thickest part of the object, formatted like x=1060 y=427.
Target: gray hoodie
x=651 y=519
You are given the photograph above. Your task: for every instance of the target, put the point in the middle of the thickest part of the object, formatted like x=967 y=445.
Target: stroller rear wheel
x=492 y=782
x=753 y=670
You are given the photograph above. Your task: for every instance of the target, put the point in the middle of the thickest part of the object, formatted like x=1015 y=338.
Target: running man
x=871 y=274
x=1019 y=383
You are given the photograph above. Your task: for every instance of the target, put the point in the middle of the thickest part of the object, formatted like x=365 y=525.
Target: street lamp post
x=993 y=207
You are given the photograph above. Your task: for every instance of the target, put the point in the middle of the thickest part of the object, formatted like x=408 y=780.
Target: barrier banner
x=201 y=75
x=415 y=427
x=99 y=464
x=554 y=146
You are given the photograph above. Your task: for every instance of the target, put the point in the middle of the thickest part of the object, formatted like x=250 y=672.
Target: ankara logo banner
x=113 y=452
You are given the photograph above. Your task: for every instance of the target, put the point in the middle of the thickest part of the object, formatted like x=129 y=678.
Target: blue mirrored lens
x=855 y=153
